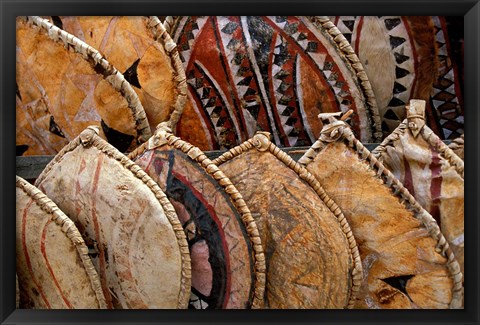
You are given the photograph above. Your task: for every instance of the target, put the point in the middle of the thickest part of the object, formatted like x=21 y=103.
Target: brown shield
x=432 y=173
x=141 y=49
x=54 y=270
x=406 y=260
x=312 y=258
x=265 y=73
x=135 y=239
x=228 y=266
x=65 y=85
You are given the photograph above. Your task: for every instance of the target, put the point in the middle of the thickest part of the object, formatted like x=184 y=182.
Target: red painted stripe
x=408 y=180
x=27 y=256
x=359 y=34
x=49 y=268
x=436 y=185
x=96 y=226
x=415 y=55
x=211 y=211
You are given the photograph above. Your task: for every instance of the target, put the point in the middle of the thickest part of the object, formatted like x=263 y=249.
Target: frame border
x=469 y=9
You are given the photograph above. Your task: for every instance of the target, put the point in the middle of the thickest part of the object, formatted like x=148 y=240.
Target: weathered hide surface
x=406 y=260
x=54 y=270
x=274 y=74
x=409 y=57
x=458 y=146
x=134 y=236
x=131 y=45
x=228 y=269
x=310 y=261
x=63 y=86
x=433 y=174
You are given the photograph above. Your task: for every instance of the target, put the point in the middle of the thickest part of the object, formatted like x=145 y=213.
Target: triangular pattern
x=445 y=99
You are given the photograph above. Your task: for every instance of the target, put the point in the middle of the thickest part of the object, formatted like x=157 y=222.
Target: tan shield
x=312 y=258
x=406 y=260
x=54 y=270
x=228 y=265
x=141 y=49
x=65 y=85
x=430 y=171
x=135 y=239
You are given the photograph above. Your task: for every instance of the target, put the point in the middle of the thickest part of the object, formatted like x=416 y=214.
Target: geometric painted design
x=273 y=74
x=393 y=50
x=446 y=100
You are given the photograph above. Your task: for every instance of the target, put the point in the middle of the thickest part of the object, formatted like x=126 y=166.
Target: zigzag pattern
x=213 y=105
x=192 y=26
x=445 y=101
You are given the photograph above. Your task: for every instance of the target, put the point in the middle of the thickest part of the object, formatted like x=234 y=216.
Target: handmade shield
x=142 y=51
x=406 y=260
x=63 y=86
x=409 y=57
x=54 y=270
x=458 y=146
x=271 y=74
x=135 y=239
x=430 y=171
x=311 y=256
x=228 y=266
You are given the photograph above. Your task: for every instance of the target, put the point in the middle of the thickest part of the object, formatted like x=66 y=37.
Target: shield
x=141 y=49
x=312 y=258
x=228 y=265
x=408 y=57
x=65 y=85
x=431 y=172
x=135 y=239
x=54 y=270
x=406 y=260
x=458 y=146
x=273 y=74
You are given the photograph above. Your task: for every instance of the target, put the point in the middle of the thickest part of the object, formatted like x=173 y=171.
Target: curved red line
x=415 y=57
x=27 y=257
x=359 y=34
x=49 y=268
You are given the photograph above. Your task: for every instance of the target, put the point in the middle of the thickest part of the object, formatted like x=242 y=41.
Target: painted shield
x=63 y=86
x=135 y=239
x=458 y=146
x=139 y=48
x=406 y=260
x=228 y=266
x=409 y=57
x=273 y=74
x=431 y=172
x=54 y=270
x=311 y=263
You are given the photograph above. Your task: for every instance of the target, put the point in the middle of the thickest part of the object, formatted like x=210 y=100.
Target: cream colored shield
x=54 y=270
x=135 y=239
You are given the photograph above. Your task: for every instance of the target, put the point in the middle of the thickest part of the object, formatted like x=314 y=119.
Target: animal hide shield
x=228 y=265
x=458 y=146
x=312 y=258
x=54 y=270
x=406 y=260
x=63 y=86
x=144 y=53
x=431 y=172
x=408 y=57
x=135 y=239
x=273 y=74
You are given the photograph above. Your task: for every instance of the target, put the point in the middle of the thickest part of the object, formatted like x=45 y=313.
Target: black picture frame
x=9 y=9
